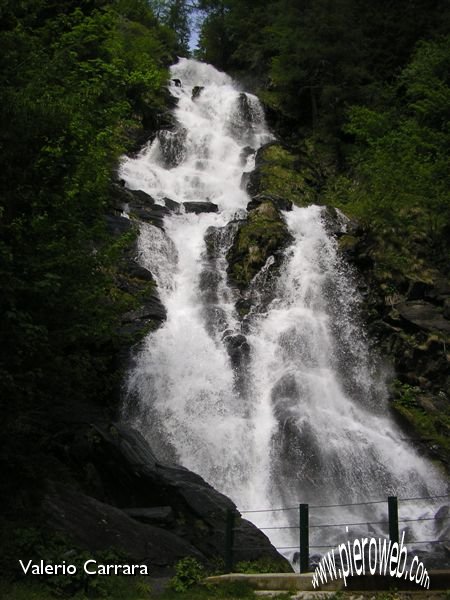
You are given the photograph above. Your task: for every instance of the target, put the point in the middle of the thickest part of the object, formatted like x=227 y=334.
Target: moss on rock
x=262 y=234
x=430 y=425
x=279 y=173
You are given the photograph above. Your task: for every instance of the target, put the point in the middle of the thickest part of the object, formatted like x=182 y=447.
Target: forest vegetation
x=357 y=91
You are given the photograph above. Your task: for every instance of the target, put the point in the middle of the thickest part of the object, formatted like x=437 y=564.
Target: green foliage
x=175 y=14
x=400 y=184
x=310 y=60
x=262 y=565
x=429 y=425
x=188 y=572
x=405 y=395
x=75 y=81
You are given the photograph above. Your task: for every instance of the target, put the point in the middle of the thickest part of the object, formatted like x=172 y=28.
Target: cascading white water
x=311 y=422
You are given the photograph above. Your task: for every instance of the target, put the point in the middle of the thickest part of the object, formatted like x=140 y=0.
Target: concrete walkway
x=295 y=582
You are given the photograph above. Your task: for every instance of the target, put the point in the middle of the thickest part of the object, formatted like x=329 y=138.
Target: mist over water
x=304 y=418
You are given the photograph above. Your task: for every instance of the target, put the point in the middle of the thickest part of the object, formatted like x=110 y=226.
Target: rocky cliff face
x=408 y=317
x=261 y=235
x=117 y=495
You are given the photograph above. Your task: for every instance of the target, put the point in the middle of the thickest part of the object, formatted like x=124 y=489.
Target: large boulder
x=117 y=468
x=139 y=205
x=154 y=213
x=157 y=515
x=279 y=173
x=96 y=526
x=138 y=321
x=118 y=225
x=172 y=205
x=200 y=207
x=261 y=235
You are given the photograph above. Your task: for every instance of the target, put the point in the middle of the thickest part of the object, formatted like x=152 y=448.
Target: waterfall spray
x=311 y=422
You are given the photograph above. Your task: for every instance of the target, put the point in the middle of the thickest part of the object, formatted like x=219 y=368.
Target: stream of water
x=304 y=418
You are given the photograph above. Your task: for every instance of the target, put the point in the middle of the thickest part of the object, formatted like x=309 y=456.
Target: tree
x=401 y=164
x=74 y=82
x=176 y=15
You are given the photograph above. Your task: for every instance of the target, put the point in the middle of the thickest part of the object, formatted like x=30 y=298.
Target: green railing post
x=393 y=518
x=304 y=537
x=229 y=539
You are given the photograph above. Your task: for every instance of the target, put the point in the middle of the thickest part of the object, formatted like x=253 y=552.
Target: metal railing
x=304 y=526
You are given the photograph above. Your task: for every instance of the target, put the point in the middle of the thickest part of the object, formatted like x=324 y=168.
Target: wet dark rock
x=241 y=125
x=280 y=203
x=245 y=181
x=335 y=222
x=443 y=513
x=212 y=241
x=243 y=306
x=218 y=238
x=245 y=153
x=143 y=207
x=172 y=205
x=442 y=523
x=151 y=308
x=117 y=225
x=245 y=107
x=154 y=214
x=338 y=224
x=196 y=91
x=141 y=198
x=424 y=316
x=120 y=197
x=136 y=271
x=172 y=146
x=125 y=474
x=177 y=82
x=238 y=349
x=209 y=280
x=200 y=207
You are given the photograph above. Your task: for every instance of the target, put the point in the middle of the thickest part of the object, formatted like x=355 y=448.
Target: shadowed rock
x=196 y=91
x=120 y=478
x=424 y=315
x=200 y=207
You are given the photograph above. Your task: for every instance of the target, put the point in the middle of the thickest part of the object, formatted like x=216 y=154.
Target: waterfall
x=308 y=421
